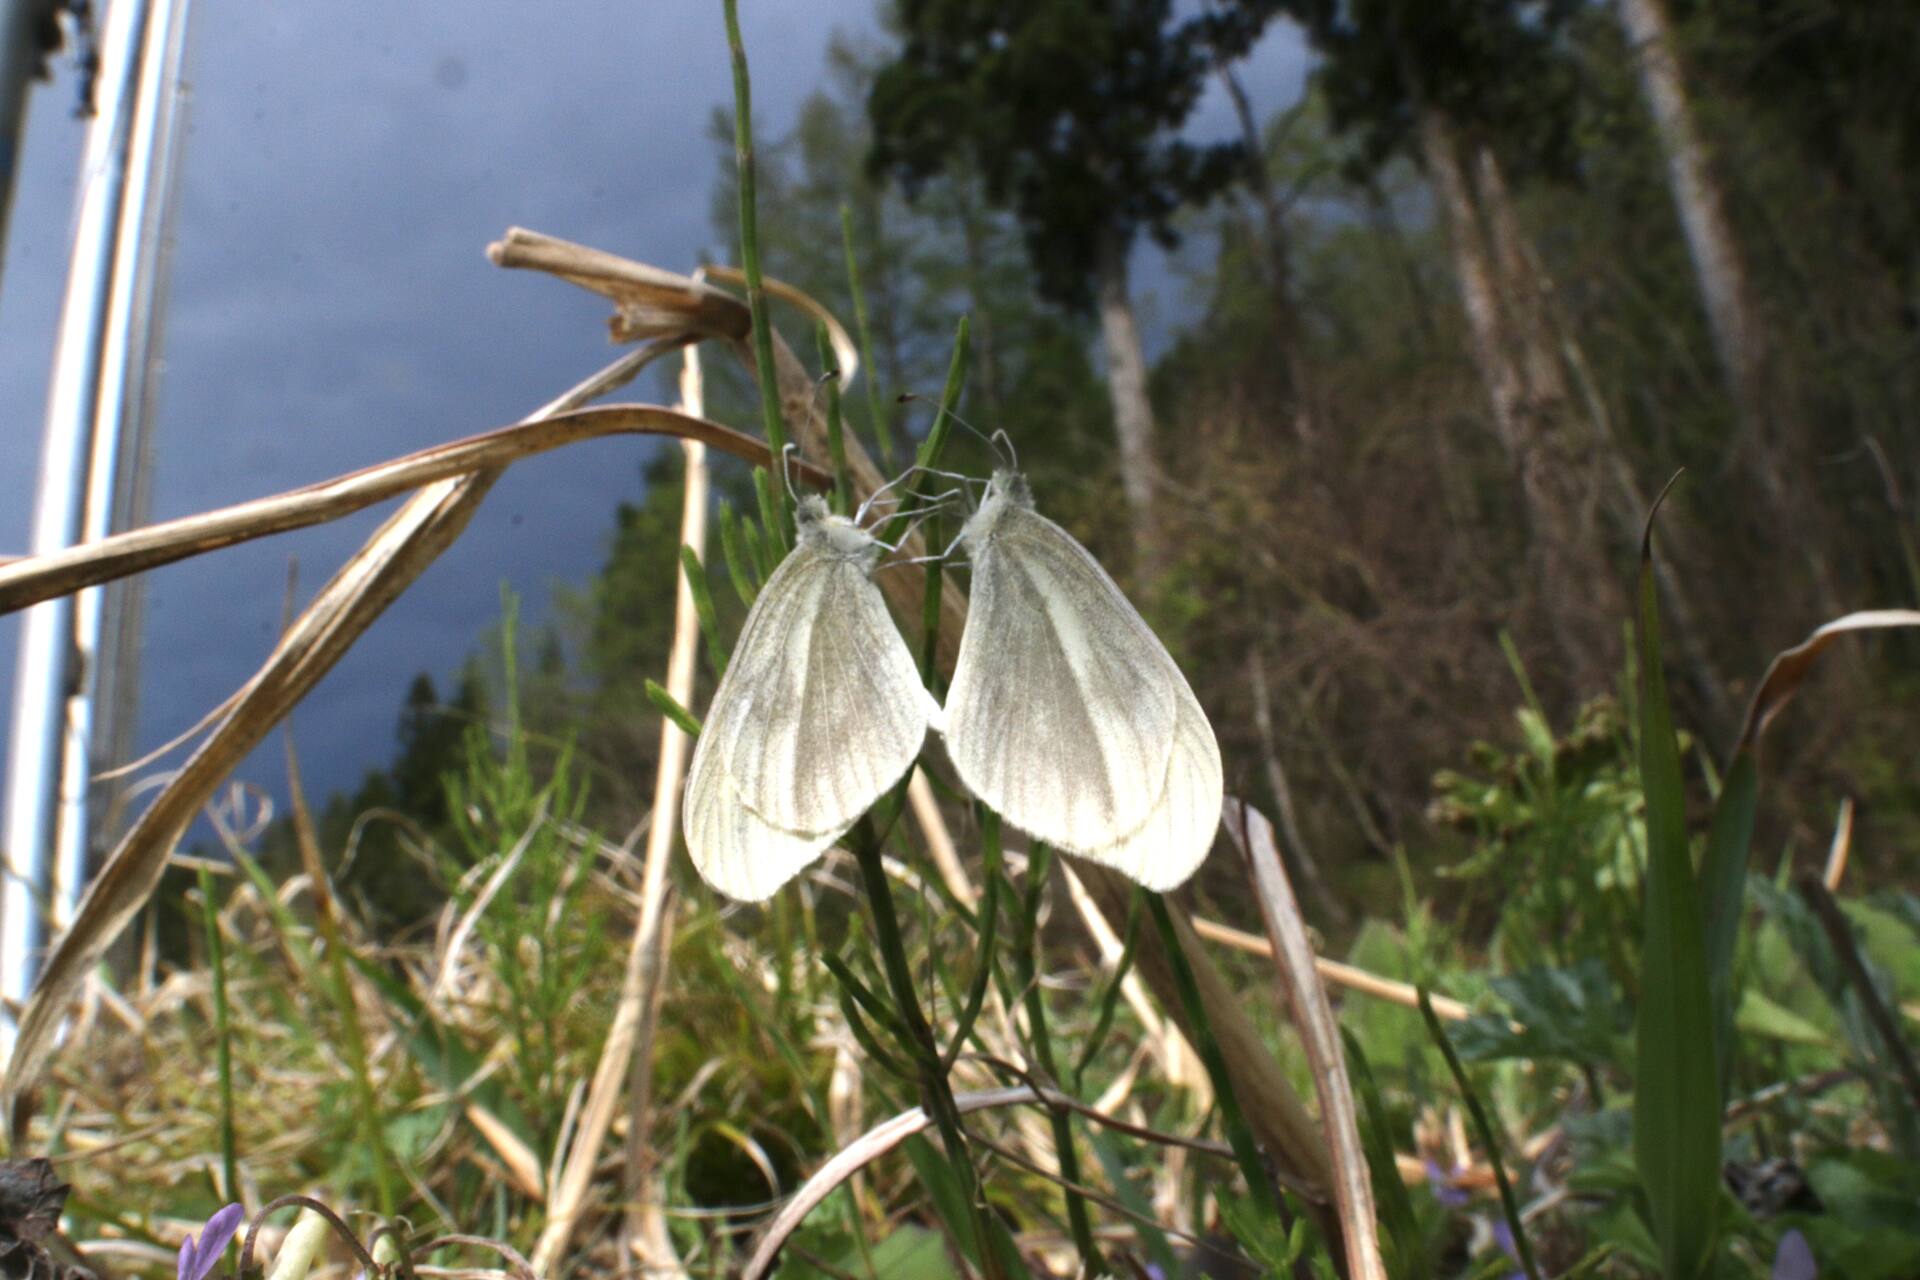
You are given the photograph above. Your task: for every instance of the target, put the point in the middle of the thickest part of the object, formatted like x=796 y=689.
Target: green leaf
x=740 y=567
x=696 y=574
x=1118 y=1159
x=1723 y=884
x=1676 y=1113
x=949 y=1202
x=1260 y=1232
x=1564 y=1014
x=670 y=707
x=1760 y=1016
x=1406 y=1254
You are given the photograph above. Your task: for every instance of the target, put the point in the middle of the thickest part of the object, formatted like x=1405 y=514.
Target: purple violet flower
x=199 y=1257
x=1440 y=1182
x=1794 y=1258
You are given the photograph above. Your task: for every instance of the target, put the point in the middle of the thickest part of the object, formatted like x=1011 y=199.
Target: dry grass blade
x=1347 y=976
x=521 y=1164
x=888 y=1134
x=1273 y=1110
x=652 y=302
x=25 y=582
x=1319 y=1033
x=647 y=1224
x=620 y=1065
x=846 y=352
x=1840 y=848
x=1789 y=668
x=397 y=553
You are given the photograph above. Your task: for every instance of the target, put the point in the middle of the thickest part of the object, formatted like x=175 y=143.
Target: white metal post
x=42 y=744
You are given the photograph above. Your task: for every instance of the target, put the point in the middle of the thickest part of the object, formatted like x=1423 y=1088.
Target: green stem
x=1026 y=957
x=882 y=434
x=936 y=1092
x=988 y=927
x=1239 y=1137
x=1111 y=999
x=1484 y=1131
x=750 y=260
x=936 y=441
x=223 y=1037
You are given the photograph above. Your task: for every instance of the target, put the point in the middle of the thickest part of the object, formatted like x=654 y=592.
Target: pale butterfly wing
x=1177 y=834
x=735 y=850
x=1066 y=714
x=820 y=711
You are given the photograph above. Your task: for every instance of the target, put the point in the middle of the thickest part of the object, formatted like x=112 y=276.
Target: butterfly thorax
x=1007 y=491
x=833 y=535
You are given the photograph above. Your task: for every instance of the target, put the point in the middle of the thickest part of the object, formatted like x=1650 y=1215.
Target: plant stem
x=882 y=435
x=1484 y=1131
x=1239 y=1136
x=750 y=260
x=1025 y=957
x=936 y=1092
x=223 y=1037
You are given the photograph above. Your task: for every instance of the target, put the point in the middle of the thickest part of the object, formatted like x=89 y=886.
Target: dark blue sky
x=332 y=305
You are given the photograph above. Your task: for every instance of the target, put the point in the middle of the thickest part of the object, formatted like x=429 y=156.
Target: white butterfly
x=821 y=710
x=1066 y=713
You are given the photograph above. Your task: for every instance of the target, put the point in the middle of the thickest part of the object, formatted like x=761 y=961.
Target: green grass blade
x=771 y=492
x=764 y=369
x=223 y=1035
x=1405 y=1252
x=989 y=920
x=1483 y=1129
x=670 y=707
x=1110 y=998
x=703 y=608
x=1245 y=1152
x=882 y=433
x=936 y=441
x=1723 y=884
x=743 y=570
x=1676 y=1103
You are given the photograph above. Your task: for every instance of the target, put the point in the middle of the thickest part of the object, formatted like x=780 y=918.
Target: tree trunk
x=1275 y=247
x=1767 y=446
x=1528 y=394
x=1132 y=410
x=1738 y=336
x=1552 y=353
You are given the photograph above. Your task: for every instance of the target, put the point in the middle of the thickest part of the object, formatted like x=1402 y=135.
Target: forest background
x=1467 y=307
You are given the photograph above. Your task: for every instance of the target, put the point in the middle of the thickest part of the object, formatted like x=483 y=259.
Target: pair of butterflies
x=1066 y=714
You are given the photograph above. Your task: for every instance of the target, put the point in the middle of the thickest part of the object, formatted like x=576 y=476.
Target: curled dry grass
x=151 y=1108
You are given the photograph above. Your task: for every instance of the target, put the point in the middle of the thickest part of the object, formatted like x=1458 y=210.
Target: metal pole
x=48 y=672
x=126 y=359
x=27 y=35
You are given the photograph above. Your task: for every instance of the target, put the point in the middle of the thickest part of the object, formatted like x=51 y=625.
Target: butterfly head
x=1006 y=491
x=830 y=534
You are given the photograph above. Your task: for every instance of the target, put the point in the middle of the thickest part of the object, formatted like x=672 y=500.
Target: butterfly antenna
x=860 y=516
x=1013 y=458
x=934 y=503
x=786 y=470
x=991 y=441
